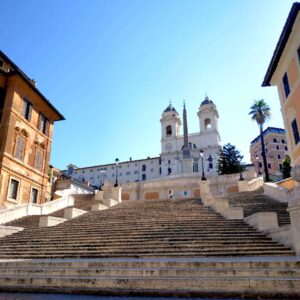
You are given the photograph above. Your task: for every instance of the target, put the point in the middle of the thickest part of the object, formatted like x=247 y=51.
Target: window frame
x=295 y=131
x=286 y=85
x=43 y=124
x=31 y=189
x=9 y=187
x=27 y=111
x=42 y=151
x=18 y=137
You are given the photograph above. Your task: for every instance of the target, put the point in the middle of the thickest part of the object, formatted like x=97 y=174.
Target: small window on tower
x=169 y=130
x=207 y=124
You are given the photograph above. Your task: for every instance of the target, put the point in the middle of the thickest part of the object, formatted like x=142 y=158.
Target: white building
x=169 y=163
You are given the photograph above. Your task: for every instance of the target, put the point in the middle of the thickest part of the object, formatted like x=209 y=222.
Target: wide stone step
x=146 y=253
x=149 y=272
x=141 y=248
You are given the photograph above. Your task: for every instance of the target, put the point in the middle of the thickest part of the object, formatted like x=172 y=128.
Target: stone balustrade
x=30 y=209
x=277 y=192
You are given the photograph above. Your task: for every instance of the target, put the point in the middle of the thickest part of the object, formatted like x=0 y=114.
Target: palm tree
x=260 y=112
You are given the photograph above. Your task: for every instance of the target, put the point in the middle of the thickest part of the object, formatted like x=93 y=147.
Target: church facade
x=206 y=142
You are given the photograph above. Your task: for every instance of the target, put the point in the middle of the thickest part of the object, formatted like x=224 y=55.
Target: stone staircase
x=255 y=201
x=244 y=278
x=141 y=229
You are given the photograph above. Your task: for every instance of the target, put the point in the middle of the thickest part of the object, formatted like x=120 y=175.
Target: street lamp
x=202 y=156
x=258 y=165
x=117 y=162
x=101 y=179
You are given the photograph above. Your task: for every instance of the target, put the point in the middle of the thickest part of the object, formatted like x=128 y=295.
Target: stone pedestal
x=187 y=165
x=99 y=195
x=294 y=211
x=263 y=221
x=48 y=221
x=97 y=207
x=117 y=193
x=73 y=212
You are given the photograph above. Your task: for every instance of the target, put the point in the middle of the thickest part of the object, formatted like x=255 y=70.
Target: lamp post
x=202 y=156
x=101 y=179
x=117 y=162
x=258 y=165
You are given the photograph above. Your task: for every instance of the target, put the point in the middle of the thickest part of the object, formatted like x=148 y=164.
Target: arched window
x=169 y=130
x=207 y=124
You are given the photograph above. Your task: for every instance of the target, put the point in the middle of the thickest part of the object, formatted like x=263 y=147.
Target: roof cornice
x=285 y=34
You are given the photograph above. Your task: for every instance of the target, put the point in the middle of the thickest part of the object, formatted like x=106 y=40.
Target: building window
x=279 y=156
x=13 y=189
x=159 y=161
x=34 y=195
x=277 y=147
x=169 y=130
x=269 y=166
x=295 y=131
x=38 y=159
x=43 y=124
x=20 y=147
x=143 y=177
x=286 y=148
x=27 y=110
x=211 y=166
x=159 y=170
x=275 y=140
x=260 y=165
x=207 y=124
x=283 y=141
x=280 y=167
x=286 y=85
x=144 y=168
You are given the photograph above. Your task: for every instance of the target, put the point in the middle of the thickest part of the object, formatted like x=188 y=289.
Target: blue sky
x=111 y=66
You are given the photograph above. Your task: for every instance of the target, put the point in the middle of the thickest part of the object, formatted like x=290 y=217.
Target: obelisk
x=187 y=161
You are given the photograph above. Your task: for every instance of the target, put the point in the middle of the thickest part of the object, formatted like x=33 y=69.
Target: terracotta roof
x=16 y=70
x=285 y=34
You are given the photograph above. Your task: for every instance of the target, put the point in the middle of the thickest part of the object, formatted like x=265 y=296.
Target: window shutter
x=29 y=112
x=20 y=146
x=24 y=105
x=47 y=127
x=40 y=122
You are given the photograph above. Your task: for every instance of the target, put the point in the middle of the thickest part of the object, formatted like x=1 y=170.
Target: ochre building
x=26 y=124
x=276 y=151
x=284 y=72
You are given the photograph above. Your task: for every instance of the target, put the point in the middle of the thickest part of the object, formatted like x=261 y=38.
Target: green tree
x=260 y=112
x=230 y=160
x=286 y=167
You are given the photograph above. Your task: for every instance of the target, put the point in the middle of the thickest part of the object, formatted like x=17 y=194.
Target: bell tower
x=170 y=129
x=208 y=120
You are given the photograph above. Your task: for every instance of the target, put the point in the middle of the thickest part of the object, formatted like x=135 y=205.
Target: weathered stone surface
x=72 y=212
x=263 y=221
x=96 y=207
x=48 y=221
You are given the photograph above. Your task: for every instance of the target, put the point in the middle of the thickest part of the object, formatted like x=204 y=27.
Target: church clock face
x=169 y=147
